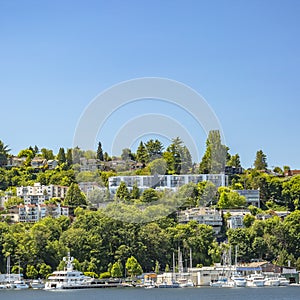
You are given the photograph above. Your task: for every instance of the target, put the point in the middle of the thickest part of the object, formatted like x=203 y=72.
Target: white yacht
x=238 y=280
x=255 y=280
x=37 y=284
x=283 y=281
x=272 y=281
x=18 y=285
x=68 y=278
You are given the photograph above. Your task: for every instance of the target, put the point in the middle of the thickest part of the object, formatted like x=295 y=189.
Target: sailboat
x=19 y=283
x=172 y=283
x=238 y=279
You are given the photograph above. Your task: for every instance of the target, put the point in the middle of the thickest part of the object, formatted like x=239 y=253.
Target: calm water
x=274 y=293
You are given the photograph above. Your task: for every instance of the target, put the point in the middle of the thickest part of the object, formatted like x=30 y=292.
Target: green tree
x=44 y=270
x=122 y=192
x=127 y=154
x=133 y=267
x=230 y=199
x=154 y=149
x=47 y=153
x=176 y=151
x=260 y=162
x=100 y=152
x=207 y=193
x=4 y=150
x=116 y=270
x=31 y=272
x=186 y=160
x=135 y=192
x=69 y=157
x=291 y=192
x=149 y=195
x=13 y=201
x=234 y=161
x=29 y=154
x=75 y=197
x=215 y=156
x=141 y=154
x=158 y=166
x=61 y=156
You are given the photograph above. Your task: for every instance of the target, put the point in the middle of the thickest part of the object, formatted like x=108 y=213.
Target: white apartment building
x=38 y=194
x=172 y=182
x=202 y=215
x=33 y=213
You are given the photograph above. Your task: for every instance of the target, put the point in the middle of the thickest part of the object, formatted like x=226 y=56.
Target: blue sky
x=241 y=56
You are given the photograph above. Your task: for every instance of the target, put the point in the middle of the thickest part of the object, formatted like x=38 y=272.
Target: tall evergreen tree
x=69 y=157
x=75 y=196
x=260 y=162
x=215 y=156
x=61 y=156
x=122 y=192
x=154 y=149
x=141 y=153
x=234 y=161
x=175 y=156
x=100 y=152
x=135 y=193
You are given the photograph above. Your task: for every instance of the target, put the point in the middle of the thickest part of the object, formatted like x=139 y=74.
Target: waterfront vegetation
x=107 y=246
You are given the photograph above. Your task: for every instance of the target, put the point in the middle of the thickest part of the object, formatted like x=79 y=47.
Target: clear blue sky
x=243 y=57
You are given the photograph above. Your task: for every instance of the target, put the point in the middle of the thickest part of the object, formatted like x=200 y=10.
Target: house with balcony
x=38 y=194
x=202 y=215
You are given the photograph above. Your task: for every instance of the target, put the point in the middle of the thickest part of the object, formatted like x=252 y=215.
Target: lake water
x=203 y=293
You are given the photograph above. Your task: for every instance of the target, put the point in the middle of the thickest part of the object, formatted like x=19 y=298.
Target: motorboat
x=255 y=280
x=185 y=283
x=37 y=284
x=238 y=280
x=272 y=281
x=67 y=278
x=171 y=284
x=283 y=281
x=18 y=285
x=222 y=282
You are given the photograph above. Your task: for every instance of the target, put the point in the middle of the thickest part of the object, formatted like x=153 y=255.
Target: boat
x=272 y=281
x=238 y=280
x=185 y=283
x=37 y=284
x=165 y=284
x=67 y=278
x=283 y=281
x=255 y=280
x=3 y=286
x=18 y=285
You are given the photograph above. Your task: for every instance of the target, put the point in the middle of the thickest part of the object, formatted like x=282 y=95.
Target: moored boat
x=238 y=280
x=255 y=280
x=67 y=278
x=165 y=284
x=37 y=284
x=18 y=285
x=272 y=281
x=283 y=281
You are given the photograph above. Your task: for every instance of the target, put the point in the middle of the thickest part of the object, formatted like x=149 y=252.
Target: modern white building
x=172 y=182
x=203 y=215
x=252 y=196
x=38 y=194
x=33 y=213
